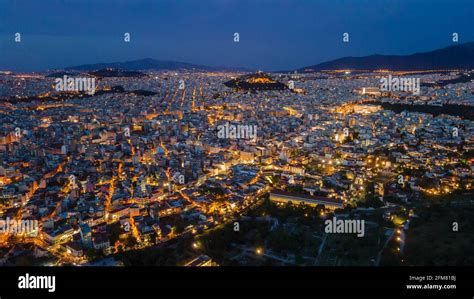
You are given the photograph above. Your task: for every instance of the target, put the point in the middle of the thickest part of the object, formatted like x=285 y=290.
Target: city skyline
x=142 y=139
x=357 y=161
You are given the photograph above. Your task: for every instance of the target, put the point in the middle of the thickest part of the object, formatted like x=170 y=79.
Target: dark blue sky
x=274 y=34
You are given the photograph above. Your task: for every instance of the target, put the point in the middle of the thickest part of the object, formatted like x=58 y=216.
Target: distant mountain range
x=153 y=64
x=110 y=72
x=453 y=57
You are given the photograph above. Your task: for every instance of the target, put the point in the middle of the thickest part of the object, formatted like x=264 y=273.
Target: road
x=320 y=249
x=379 y=255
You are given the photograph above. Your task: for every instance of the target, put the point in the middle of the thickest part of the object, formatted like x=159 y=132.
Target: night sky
x=274 y=35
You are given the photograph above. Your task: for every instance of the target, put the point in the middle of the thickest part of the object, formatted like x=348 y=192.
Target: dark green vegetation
x=291 y=235
x=431 y=239
x=288 y=234
x=172 y=253
x=463 y=111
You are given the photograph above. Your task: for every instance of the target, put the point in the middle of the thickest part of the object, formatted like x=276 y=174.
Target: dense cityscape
x=196 y=168
x=236 y=148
